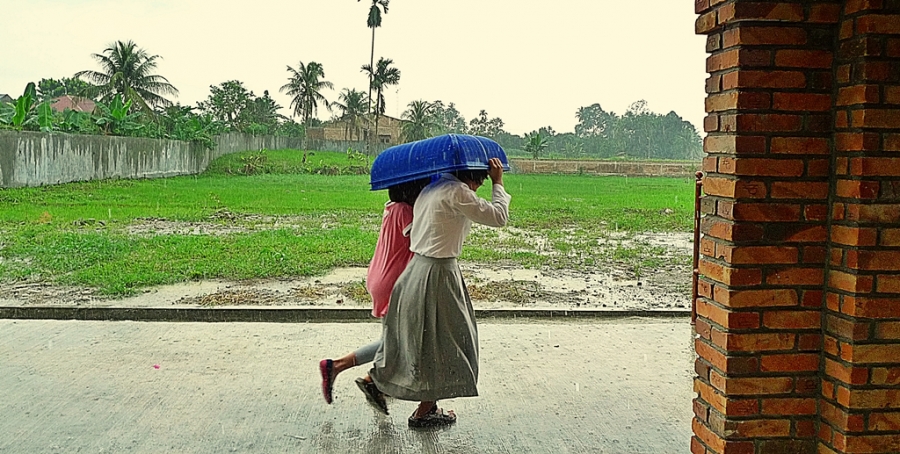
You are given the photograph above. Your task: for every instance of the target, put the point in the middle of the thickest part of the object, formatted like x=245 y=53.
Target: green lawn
x=299 y=219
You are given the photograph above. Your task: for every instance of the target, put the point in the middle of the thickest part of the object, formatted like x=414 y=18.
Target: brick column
x=768 y=167
x=860 y=405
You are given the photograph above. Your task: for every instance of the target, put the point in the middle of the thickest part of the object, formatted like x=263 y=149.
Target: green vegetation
x=305 y=88
x=353 y=105
x=637 y=134
x=128 y=98
x=49 y=89
x=535 y=144
x=420 y=122
x=291 y=162
x=231 y=107
x=289 y=220
x=373 y=21
x=382 y=76
x=127 y=72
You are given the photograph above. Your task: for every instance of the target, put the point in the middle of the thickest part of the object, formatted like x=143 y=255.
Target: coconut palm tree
x=305 y=87
x=353 y=107
x=127 y=70
x=420 y=122
x=382 y=76
x=373 y=22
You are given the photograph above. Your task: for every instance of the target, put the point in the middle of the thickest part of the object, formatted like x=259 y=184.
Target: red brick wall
x=860 y=405
x=798 y=308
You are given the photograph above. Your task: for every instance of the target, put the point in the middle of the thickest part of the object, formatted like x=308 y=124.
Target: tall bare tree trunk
x=377 y=116
x=372 y=67
x=371 y=76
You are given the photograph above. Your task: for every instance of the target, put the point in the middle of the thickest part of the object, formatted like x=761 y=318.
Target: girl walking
x=430 y=338
x=391 y=256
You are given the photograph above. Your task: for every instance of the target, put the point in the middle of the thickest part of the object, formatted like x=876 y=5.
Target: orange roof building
x=70 y=102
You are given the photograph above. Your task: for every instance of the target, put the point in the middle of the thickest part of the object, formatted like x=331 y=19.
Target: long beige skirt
x=430 y=348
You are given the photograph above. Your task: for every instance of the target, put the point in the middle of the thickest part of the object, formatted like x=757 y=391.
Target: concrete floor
x=615 y=386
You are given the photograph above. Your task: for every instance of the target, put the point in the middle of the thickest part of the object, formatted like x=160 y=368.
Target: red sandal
x=326 y=368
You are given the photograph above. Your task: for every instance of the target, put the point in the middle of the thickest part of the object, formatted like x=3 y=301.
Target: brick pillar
x=860 y=405
x=763 y=253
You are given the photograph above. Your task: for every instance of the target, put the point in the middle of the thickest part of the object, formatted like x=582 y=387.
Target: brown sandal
x=434 y=418
x=373 y=395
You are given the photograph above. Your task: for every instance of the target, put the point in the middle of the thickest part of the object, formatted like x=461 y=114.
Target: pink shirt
x=392 y=254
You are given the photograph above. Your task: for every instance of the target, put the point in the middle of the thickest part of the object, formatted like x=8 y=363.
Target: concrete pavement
x=572 y=386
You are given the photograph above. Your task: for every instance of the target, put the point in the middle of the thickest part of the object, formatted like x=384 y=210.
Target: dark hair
x=407 y=192
x=476 y=176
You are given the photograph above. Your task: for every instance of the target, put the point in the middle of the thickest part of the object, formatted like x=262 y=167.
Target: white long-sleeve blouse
x=444 y=212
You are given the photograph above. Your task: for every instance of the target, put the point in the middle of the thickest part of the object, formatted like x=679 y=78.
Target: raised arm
x=494 y=213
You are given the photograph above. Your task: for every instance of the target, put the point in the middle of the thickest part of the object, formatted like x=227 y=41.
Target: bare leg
x=330 y=368
x=343 y=363
x=424 y=408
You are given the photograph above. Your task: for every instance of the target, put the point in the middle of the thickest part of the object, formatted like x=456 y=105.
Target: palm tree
x=305 y=87
x=373 y=22
x=420 y=122
x=384 y=75
x=127 y=70
x=353 y=107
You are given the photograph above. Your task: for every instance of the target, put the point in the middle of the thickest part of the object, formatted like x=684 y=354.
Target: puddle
x=609 y=282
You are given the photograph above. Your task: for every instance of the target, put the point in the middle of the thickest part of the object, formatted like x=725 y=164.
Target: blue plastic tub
x=429 y=157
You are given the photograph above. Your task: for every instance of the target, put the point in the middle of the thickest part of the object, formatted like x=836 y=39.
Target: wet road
x=578 y=386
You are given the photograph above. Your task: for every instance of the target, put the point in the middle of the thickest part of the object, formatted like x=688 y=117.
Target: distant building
x=70 y=102
x=6 y=98
x=389 y=130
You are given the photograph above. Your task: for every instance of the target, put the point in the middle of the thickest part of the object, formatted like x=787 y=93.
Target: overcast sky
x=531 y=63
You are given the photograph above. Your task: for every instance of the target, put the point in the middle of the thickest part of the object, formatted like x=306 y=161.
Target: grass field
x=293 y=218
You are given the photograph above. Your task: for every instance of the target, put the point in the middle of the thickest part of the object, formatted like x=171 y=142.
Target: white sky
x=531 y=63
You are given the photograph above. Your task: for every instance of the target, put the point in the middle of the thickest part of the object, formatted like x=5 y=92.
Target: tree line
x=637 y=134
x=132 y=100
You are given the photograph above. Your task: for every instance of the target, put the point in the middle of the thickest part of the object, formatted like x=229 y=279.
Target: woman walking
x=430 y=338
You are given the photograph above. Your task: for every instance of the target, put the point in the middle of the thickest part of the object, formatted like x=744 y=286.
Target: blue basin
x=429 y=157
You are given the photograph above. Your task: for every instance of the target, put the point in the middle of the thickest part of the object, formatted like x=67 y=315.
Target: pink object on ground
x=326 y=366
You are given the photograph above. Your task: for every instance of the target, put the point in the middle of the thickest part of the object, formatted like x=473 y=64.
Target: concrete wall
x=36 y=159
x=604 y=167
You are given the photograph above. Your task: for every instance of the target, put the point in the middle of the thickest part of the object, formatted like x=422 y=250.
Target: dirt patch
x=224 y=222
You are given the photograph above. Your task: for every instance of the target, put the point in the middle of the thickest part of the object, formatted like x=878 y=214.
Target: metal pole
x=696 y=268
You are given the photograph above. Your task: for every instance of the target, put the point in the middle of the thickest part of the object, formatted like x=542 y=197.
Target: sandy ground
x=605 y=286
